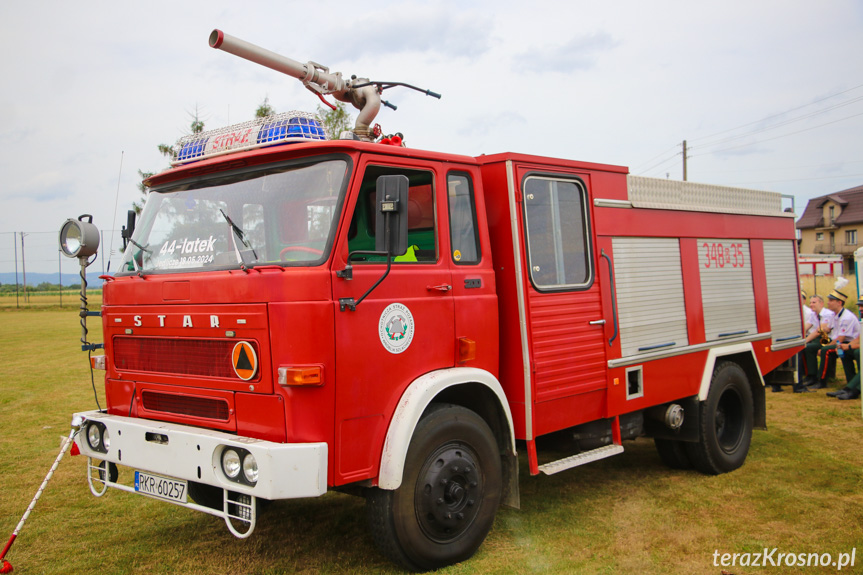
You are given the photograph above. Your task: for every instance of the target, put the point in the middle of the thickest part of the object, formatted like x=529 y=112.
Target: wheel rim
x=729 y=421
x=448 y=493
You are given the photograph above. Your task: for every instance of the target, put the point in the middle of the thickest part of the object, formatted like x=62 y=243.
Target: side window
x=422 y=225
x=558 y=244
x=462 y=219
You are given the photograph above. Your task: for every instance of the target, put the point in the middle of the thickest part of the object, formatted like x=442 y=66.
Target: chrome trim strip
x=641 y=358
x=780 y=345
x=522 y=312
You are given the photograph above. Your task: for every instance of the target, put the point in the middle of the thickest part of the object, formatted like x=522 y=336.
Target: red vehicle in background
x=296 y=314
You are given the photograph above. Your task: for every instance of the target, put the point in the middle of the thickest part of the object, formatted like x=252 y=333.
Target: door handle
x=442 y=287
x=597 y=322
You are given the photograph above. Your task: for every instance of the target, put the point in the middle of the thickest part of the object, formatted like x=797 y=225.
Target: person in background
x=824 y=320
x=852 y=350
x=805 y=372
x=846 y=327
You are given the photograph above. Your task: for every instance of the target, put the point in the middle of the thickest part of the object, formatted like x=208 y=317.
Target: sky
x=768 y=94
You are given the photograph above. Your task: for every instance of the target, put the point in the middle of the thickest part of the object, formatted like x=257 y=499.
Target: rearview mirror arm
x=347 y=273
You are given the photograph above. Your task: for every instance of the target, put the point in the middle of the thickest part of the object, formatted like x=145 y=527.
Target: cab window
x=422 y=224
x=462 y=219
x=555 y=213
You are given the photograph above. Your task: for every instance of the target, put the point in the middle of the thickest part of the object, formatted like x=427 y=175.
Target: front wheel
x=450 y=492
x=726 y=423
x=673 y=453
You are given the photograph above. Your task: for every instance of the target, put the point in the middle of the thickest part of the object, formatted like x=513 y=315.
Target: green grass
x=801 y=491
x=68 y=299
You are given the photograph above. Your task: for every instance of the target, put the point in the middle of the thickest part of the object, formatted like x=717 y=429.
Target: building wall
x=842 y=241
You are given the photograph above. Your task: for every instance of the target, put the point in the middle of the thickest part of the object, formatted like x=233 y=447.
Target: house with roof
x=833 y=224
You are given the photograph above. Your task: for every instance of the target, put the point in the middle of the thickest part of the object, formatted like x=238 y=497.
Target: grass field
x=67 y=299
x=800 y=491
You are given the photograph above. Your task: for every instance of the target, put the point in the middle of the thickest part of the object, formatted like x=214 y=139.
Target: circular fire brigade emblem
x=245 y=360
x=396 y=328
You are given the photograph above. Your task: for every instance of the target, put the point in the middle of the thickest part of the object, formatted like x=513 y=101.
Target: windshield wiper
x=139 y=246
x=133 y=258
x=241 y=256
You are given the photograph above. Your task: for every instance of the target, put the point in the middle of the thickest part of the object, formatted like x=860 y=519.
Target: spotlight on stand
x=80 y=239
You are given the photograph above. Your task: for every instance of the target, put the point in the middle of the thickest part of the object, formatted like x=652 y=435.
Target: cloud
x=486 y=123
x=414 y=28
x=579 y=53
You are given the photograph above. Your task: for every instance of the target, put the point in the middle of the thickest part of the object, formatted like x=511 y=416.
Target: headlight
x=94 y=436
x=231 y=463
x=97 y=437
x=250 y=468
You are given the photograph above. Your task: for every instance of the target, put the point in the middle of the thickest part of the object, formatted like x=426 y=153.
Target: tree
x=336 y=121
x=196 y=127
x=265 y=109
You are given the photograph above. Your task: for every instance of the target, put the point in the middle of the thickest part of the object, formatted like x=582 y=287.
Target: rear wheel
x=726 y=423
x=450 y=492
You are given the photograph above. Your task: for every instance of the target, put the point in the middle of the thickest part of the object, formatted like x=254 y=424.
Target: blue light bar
x=285 y=128
x=292 y=128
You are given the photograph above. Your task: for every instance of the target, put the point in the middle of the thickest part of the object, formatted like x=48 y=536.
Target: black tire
x=726 y=423
x=450 y=492
x=113 y=471
x=672 y=453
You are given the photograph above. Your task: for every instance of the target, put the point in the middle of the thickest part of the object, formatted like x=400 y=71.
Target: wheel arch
x=474 y=389
x=742 y=354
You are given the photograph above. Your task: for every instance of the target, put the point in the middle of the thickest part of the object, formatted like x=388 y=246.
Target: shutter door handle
x=597 y=322
x=613 y=295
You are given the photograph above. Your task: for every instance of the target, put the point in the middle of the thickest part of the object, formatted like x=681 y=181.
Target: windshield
x=283 y=215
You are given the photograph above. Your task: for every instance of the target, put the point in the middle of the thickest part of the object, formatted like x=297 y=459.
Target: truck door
x=473 y=281
x=565 y=320
x=404 y=327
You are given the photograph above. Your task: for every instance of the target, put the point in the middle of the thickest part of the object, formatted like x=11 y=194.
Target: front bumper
x=285 y=470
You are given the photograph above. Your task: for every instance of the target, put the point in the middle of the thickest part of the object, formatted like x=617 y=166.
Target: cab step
x=580 y=459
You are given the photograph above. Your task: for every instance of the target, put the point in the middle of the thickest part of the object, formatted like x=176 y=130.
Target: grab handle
x=613 y=296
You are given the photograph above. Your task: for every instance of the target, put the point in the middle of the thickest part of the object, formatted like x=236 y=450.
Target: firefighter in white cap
x=851 y=350
x=846 y=327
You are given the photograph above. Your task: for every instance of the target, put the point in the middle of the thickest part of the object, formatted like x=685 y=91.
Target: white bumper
x=285 y=471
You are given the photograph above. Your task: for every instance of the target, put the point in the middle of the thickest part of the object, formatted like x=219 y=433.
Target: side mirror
x=129 y=229
x=391 y=216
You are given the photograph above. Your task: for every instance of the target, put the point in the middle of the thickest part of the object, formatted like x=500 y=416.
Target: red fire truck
x=296 y=314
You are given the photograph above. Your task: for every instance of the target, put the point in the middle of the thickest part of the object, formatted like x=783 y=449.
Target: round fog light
x=106 y=440
x=250 y=468
x=231 y=463
x=94 y=436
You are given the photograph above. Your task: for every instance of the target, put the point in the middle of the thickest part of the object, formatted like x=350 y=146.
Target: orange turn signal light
x=310 y=375
x=98 y=362
x=466 y=349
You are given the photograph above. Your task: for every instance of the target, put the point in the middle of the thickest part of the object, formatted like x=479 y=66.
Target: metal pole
x=684 y=160
x=15 y=245
x=60 y=275
x=24 y=268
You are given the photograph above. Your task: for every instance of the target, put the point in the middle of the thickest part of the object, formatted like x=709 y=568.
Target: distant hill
x=34 y=279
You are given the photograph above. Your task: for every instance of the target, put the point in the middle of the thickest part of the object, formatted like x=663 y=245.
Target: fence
x=30 y=259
